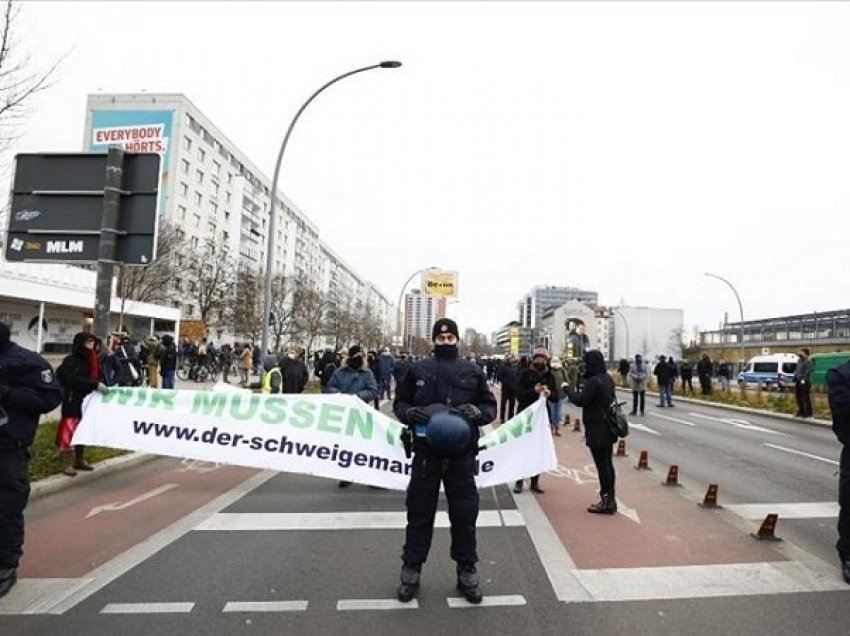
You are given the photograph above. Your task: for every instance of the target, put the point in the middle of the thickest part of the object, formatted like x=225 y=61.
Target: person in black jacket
x=294 y=370
x=704 y=374
x=838 y=385
x=436 y=384
x=28 y=389
x=595 y=398
x=166 y=353
x=534 y=379
x=79 y=374
x=508 y=377
x=664 y=374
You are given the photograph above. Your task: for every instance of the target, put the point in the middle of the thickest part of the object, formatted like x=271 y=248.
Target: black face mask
x=445 y=351
x=356 y=362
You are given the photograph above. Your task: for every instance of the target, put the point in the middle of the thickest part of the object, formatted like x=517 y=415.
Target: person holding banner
x=595 y=397
x=28 y=389
x=79 y=374
x=434 y=386
x=354 y=378
x=535 y=379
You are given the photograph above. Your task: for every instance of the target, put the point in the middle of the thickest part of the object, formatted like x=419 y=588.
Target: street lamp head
x=390 y=64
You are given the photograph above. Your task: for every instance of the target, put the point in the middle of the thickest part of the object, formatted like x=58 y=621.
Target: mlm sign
x=136 y=131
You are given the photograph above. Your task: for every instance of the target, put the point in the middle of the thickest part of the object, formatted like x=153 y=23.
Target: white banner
x=330 y=435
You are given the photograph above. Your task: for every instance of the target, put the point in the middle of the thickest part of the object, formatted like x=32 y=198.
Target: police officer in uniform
x=27 y=390
x=443 y=382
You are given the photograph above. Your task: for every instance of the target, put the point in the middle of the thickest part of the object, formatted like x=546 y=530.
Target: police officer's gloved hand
x=102 y=388
x=470 y=412
x=417 y=415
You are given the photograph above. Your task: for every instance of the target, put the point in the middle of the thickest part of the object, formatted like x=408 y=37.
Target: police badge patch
x=47 y=376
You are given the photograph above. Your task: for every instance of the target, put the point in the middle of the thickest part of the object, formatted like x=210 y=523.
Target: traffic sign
x=57 y=208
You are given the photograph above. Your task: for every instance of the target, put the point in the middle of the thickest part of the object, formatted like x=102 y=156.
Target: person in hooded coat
x=79 y=374
x=594 y=398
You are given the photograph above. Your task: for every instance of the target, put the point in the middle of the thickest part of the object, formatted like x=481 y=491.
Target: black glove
x=417 y=415
x=470 y=412
x=407 y=441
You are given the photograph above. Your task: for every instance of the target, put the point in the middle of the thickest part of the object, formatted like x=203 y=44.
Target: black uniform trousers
x=843 y=545
x=802 y=391
x=423 y=491
x=14 y=493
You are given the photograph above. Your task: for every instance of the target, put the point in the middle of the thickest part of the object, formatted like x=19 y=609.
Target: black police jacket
x=440 y=382
x=28 y=389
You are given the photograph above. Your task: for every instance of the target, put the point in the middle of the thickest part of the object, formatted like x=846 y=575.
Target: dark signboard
x=57 y=207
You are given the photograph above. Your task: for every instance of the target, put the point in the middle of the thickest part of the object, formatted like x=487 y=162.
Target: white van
x=772 y=372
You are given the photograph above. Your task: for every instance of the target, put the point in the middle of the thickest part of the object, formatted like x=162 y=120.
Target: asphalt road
x=227 y=552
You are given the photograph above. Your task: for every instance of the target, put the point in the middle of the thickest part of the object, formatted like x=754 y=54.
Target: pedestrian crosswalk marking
x=456 y=602
x=342 y=520
x=147 y=608
x=265 y=606
x=356 y=604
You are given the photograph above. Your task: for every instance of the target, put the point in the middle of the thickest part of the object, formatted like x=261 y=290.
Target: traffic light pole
x=106 y=243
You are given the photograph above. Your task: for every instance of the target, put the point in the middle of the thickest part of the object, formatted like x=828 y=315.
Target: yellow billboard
x=438 y=282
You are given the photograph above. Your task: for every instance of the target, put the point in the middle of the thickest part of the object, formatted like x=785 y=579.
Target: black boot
x=409 y=583
x=468 y=583
x=535 y=485
x=8 y=577
x=607 y=505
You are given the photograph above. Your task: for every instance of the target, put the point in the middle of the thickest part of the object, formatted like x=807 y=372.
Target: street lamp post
x=400 y=295
x=267 y=296
x=740 y=308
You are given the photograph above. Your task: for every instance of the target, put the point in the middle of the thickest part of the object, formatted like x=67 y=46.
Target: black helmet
x=448 y=433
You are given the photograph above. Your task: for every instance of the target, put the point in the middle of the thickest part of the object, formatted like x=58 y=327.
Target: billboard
x=136 y=131
x=439 y=282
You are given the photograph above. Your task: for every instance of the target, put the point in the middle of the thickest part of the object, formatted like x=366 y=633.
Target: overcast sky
x=622 y=147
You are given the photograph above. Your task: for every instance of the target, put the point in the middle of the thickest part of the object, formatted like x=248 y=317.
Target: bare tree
x=211 y=278
x=154 y=282
x=281 y=308
x=340 y=324
x=309 y=306
x=245 y=307
x=20 y=77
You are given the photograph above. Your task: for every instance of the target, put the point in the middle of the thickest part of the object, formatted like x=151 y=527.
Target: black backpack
x=616 y=417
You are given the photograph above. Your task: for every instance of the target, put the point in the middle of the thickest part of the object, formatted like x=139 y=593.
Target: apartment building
x=213 y=192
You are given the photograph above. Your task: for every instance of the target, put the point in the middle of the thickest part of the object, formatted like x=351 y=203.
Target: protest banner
x=329 y=435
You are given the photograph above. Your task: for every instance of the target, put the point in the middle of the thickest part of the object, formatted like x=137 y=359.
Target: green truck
x=823 y=362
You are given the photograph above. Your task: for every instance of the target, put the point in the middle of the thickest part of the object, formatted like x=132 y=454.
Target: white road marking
x=672 y=419
x=457 y=602
x=554 y=557
x=744 y=424
x=643 y=427
x=624 y=510
x=797 y=452
x=802 y=510
x=703 y=581
x=338 y=520
x=265 y=606
x=354 y=604
x=147 y=608
x=117 y=505
x=103 y=575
